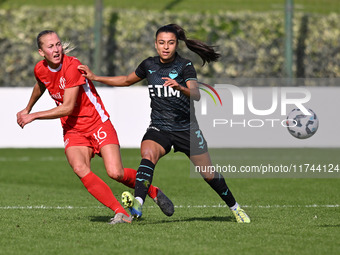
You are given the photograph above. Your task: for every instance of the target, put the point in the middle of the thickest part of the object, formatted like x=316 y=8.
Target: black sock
x=144 y=178
x=219 y=185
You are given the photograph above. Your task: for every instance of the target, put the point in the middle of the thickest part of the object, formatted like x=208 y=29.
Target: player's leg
x=197 y=150
x=113 y=164
x=112 y=161
x=107 y=145
x=150 y=152
x=79 y=158
x=214 y=179
x=155 y=144
x=199 y=156
x=217 y=183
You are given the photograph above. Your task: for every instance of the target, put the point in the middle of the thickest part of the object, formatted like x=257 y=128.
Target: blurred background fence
x=250 y=35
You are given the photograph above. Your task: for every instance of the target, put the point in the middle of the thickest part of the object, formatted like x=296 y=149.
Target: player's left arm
x=64 y=109
x=191 y=90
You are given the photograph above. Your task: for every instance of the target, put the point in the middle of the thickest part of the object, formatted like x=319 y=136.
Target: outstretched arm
x=127 y=80
x=65 y=109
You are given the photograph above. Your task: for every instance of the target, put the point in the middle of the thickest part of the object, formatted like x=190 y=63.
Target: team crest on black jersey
x=173 y=74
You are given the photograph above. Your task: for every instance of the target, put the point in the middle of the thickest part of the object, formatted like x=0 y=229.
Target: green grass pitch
x=45 y=210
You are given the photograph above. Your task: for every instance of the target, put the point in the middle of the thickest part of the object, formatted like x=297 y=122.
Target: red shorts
x=102 y=135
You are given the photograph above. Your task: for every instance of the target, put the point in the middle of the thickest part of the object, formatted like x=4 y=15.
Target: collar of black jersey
x=170 y=63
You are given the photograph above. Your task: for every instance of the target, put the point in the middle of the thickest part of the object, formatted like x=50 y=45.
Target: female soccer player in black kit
x=172 y=87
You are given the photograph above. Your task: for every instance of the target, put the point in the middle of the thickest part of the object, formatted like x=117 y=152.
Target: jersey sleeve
x=73 y=75
x=36 y=71
x=189 y=72
x=141 y=70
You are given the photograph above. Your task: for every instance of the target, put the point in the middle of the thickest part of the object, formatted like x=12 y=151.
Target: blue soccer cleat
x=132 y=204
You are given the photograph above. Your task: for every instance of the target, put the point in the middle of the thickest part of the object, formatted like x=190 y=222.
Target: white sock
x=140 y=200
x=234 y=207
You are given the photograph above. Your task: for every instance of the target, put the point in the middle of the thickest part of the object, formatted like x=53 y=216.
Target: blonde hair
x=67 y=46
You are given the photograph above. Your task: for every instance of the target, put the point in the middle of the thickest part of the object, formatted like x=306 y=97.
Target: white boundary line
x=43 y=207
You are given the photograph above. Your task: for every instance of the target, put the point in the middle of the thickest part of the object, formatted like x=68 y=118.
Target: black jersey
x=170 y=109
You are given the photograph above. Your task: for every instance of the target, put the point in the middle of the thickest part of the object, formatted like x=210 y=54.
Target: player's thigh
x=152 y=151
x=198 y=144
x=79 y=158
x=155 y=144
x=203 y=161
x=112 y=161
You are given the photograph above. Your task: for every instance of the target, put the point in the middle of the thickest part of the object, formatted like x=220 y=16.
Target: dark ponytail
x=206 y=52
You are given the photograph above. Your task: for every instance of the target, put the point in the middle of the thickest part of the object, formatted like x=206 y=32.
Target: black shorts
x=190 y=142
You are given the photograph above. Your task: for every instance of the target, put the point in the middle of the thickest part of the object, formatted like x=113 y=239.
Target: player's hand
x=20 y=114
x=172 y=83
x=86 y=72
x=23 y=118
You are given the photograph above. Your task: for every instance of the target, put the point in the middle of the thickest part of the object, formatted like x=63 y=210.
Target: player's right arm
x=38 y=89
x=121 y=81
x=62 y=110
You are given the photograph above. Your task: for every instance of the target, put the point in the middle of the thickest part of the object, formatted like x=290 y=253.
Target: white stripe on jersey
x=93 y=100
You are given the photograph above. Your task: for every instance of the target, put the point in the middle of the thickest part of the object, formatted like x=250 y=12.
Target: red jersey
x=89 y=110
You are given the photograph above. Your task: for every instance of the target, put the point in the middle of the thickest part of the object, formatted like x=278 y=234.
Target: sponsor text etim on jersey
x=171 y=109
x=89 y=110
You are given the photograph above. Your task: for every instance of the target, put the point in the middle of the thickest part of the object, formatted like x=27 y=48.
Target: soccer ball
x=300 y=125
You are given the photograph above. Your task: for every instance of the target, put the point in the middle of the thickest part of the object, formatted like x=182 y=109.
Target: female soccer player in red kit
x=87 y=128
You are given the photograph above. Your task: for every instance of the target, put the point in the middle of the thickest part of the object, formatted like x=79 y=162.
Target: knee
x=116 y=174
x=209 y=176
x=150 y=155
x=81 y=169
